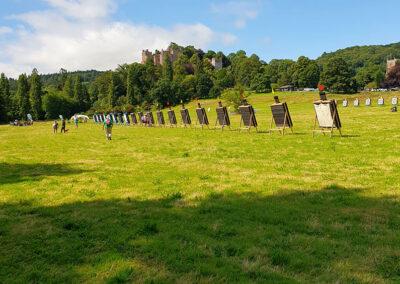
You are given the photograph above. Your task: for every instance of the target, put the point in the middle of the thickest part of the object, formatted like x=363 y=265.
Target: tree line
x=191 y=76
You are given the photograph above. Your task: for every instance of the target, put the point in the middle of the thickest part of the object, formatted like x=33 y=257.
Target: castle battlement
x=158 y=57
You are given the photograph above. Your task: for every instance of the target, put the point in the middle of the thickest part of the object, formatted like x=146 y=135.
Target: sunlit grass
x=192 y=205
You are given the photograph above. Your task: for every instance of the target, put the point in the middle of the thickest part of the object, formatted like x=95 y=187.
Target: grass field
x=161 y=205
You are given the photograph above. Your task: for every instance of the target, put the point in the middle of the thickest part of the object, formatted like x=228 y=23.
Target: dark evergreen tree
x=22 y=96
x=80 y=94
x=68 y=88
x=93 y=93
x=135 y=86
x=35 y=95
x=4 y=97
x=114 y=90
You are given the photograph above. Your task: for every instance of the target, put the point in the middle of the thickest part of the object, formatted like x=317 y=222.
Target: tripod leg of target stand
x=315 y=123
x=270 y=126
x=284 y=125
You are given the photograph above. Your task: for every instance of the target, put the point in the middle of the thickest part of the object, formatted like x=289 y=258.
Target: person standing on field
x=55 y=126
x=63 y=126
x=107 y=125
x=76 y=120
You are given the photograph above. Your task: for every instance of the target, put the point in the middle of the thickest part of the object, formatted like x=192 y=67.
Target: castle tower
x=217 y=63
x=146 y=54
x=159 y=56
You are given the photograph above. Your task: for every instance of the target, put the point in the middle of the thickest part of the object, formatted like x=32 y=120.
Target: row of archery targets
x=326 y=117
x=368 y=102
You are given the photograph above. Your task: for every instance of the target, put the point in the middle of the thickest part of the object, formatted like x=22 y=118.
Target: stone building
x=390 y=65
x=146 y=54
x=217 y=63
x=158 y=57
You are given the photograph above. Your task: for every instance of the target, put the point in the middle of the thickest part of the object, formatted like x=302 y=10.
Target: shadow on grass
x=333 y=235
x=14 y=173
x=350 y=135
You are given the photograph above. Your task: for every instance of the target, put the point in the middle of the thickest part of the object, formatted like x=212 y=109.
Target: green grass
x=161 y=205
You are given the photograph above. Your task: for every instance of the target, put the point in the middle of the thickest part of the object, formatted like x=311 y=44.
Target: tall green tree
x=338 y=76
x=35 y=95
x=135 y=83
x=197 y=64
x=4 y=97
x=93 y=93
x=305 y=73
x=379 y=78
x=22 y=96
x=115 y=89
x=56 y=102
x=80 y=94
x=203 y=85
x=280 y=71
x=167 y=70
x=188 y=85
x=181 y=67
x=261 y=83
x=150 y=76
x=245 y=68
x=68 y=88
x=165 y=92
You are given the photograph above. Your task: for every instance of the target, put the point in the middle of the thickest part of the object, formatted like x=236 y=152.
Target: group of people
x=63 y=124
x=21 y=123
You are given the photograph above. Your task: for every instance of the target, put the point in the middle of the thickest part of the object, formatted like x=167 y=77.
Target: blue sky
x=100 y=34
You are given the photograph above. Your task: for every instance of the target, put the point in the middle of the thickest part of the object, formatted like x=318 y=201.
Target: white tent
x=80 y=117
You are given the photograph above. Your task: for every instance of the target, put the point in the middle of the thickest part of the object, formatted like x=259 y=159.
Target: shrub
x=55 y=103
x=233 y=97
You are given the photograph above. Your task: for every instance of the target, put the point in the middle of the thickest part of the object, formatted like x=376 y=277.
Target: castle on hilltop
x=158 y=57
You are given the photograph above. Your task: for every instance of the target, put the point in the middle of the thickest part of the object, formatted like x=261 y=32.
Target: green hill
x=367 y=61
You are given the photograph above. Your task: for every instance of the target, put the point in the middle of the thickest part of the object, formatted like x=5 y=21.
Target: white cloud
x=5 y=30
x=52 y=39
x=228 y=39
x=84 y=9
x=241 y=11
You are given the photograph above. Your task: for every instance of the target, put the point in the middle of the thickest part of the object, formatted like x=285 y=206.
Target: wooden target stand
x=172 y=118
x=186 y=120
x=140 y=115
x=248 y=118
x=150 y=119
x=160 y=118
x=202 y=119
x=127 y=119
x=222 y=120
x=281 y=117
x=134 y=119
x=327 y=117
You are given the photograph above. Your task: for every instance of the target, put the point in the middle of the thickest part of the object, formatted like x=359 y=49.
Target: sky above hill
x=100 y=34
